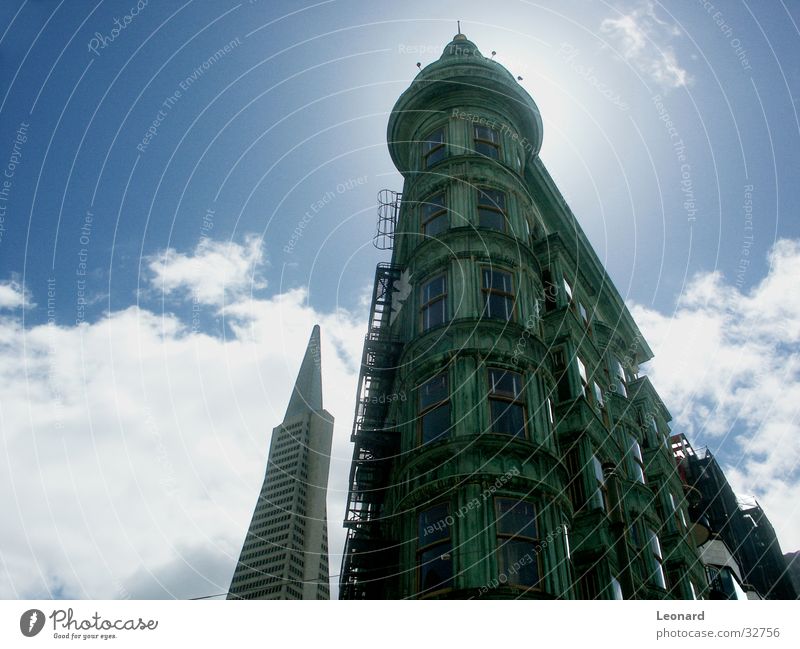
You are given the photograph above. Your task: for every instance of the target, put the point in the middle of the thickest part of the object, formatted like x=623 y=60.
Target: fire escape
x=369 y=556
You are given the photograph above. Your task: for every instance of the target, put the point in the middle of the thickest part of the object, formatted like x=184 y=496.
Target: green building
x=505 y=445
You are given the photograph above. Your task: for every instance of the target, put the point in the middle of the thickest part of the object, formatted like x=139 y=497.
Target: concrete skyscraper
x=285 y=553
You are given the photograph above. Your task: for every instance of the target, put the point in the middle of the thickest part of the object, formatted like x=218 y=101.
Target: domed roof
x=461 y=75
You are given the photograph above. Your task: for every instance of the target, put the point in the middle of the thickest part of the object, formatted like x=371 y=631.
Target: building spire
x=307 y=392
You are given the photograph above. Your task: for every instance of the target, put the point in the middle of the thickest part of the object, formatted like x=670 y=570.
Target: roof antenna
x=459 y=26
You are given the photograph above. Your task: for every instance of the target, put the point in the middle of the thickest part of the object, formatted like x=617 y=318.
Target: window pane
x=507 y=418
x=433 y=288
x=433 y=140
x=434 y=314
x=486 y=133
x=436 y=423
x=432 y=525
x=515 y=517
x=433 y=205
x=619 y=377
x=433 y=391
x=488 y=150
x=618 y=369
x=598 y=394
x=658 y=576
x=491 y=219
x=597 y=467
x=433 y=148
x=436 y=568
x=581 y=370
x=519 y=561
x=635 y=541
x=497 y=280
x=492 y=198
x=655 y=546
x=498 y=306
x=505 y=382
x=568 y=290
x=616 y=589
x=436 y=225
x=434 y=157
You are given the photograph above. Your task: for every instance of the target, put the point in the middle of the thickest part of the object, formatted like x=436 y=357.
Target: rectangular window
x=433 y=148
x=498 y=294
x=599 y=401
x=434 y=215
x=434 y=549
x=568 y=291
x=620 y=382
x=550 y=291
x=584 y=315
x=506 y=403
x=657 y=576
x=616 y=589
x=635 y=459
x=487 y=141
x=434 y=409
x=598 y=395
x=434 y=302
x=575 y=486
x=600 y=492
x=432 y=525
x=584 y=379
x=517 y=542
x=559 y=363
x=492 y=209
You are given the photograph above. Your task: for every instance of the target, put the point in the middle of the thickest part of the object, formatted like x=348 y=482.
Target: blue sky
x=231 y=204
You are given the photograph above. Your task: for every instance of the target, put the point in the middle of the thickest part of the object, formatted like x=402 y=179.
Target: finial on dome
x=459 y=36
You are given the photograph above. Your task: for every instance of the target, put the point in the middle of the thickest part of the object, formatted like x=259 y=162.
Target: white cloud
x=13 y=295
x=133 y=449
x=728 y=365
x=218 y=272
x=643 y=39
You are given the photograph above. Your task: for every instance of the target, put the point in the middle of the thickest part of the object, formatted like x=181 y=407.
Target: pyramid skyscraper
x=285 y=553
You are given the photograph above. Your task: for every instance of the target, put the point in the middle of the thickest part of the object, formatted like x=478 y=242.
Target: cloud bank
x=727 y=364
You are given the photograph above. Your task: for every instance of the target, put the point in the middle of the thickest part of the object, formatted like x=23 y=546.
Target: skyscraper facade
x=505 y=444
x=285 y=553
